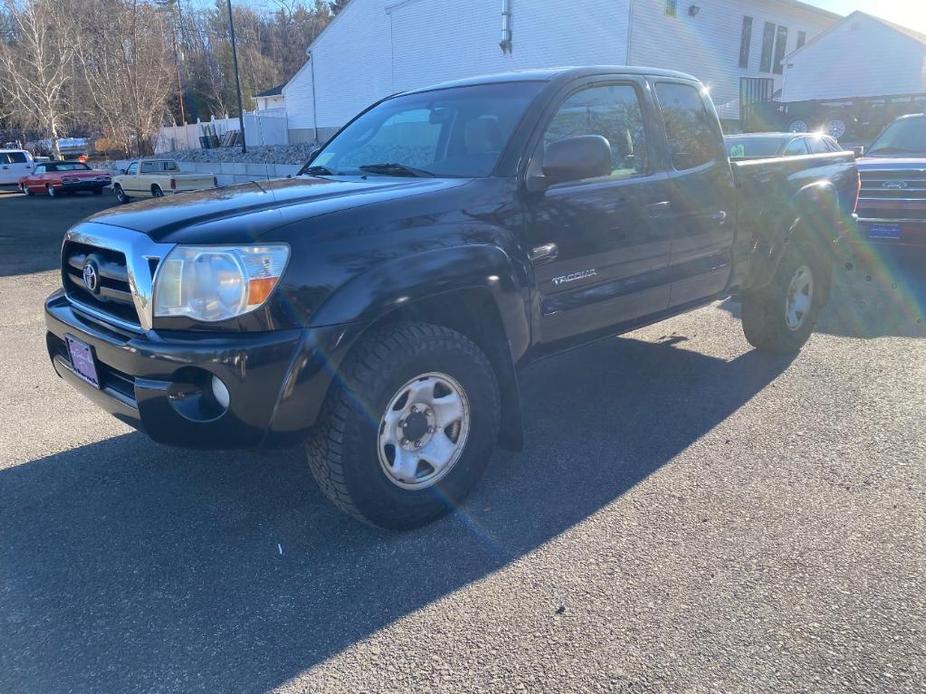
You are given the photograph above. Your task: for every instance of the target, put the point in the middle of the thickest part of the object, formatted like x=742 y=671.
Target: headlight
x=214 y=283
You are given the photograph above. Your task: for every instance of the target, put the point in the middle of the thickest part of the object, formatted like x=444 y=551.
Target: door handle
x=544 y=254
x=659 y=208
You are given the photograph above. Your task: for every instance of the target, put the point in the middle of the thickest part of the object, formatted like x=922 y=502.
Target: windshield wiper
x=391 y=169
x=316 y=171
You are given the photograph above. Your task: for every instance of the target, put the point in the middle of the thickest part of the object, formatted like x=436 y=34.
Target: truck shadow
x=884 y=296
x=128 y=566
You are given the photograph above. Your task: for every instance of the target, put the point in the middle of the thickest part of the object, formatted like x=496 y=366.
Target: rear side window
x=17 y=157
x=689 y=128
x=612 y=111
x=150 y=167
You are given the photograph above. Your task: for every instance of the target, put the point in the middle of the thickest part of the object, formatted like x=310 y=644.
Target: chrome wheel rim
x=423 y=431
x=51 y=192
x=799 y=299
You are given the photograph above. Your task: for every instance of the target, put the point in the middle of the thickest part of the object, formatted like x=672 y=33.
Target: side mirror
x=859 y=151
x=577 y=158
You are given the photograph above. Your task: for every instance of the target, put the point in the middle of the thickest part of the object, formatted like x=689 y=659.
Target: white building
x=271 y=99
x=374 y=48
x=860 y=57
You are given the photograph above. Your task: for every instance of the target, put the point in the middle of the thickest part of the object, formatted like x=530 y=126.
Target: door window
x=18 y=158
x=795 y=148
x=149 y=167
x=612 y=111
x=40 y=169
x=133 y=169
x=690 y=130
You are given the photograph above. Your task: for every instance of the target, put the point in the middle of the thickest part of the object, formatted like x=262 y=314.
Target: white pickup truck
x=155 y=178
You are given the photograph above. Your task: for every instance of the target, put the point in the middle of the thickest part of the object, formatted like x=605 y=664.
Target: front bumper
x=160 y=382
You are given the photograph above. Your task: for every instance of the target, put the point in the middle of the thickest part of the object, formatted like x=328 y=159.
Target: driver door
x=599 y=247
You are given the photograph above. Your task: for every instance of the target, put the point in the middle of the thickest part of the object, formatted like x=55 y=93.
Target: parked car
x=762 y=145
x=64 y=177
x=381 y=303
x=892 y=206
x=155 y=178
x=14 y=164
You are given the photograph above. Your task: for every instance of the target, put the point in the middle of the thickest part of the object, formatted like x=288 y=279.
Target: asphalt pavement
x=688 y=514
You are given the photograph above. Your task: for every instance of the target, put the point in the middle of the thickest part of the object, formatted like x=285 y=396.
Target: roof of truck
x=555 y=73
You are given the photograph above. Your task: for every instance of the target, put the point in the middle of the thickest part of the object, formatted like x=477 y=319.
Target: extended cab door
x=599 y=247
x=701 y=190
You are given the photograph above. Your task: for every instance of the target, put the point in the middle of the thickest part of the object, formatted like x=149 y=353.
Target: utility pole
x=231 y=25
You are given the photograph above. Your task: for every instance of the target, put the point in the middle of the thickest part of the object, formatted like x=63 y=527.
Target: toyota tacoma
x=379 y=306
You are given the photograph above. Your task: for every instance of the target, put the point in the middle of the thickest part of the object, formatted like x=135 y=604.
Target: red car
x=58 y=177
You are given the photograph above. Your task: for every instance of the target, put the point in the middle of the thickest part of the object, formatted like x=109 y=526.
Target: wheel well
x=155 y=186
x=474 y=313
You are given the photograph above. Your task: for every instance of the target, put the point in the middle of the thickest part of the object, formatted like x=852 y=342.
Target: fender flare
x=814 y=210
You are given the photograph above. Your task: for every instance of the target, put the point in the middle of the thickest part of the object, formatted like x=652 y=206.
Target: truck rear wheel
x=410 y=429
x=781 y=317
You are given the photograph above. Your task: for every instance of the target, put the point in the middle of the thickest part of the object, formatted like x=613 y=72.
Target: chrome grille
x=114 y=294
x=893 y=194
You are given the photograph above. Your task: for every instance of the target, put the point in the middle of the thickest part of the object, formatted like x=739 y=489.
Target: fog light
x=220 y=392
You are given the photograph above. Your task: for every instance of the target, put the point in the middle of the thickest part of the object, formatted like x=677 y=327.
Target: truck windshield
x=457 y=132
x=907 y=136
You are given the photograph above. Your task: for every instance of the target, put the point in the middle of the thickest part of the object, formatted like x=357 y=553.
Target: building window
x=768 y=45
x=781 y=47
x=801 y=38
x=671 y=8
x=745 y=41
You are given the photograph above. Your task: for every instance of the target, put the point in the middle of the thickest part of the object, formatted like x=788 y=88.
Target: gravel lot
x=688 y=515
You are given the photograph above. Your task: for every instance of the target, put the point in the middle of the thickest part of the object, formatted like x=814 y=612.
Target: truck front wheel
x=781 y=317
x=410 y=427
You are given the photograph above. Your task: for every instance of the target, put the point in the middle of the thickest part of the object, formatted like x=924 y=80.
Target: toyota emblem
x=91 y=277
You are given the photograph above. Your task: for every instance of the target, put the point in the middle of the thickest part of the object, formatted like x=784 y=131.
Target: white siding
x=352 y=68
x=861 y=57
x=377 y=47
x=439 y=40
x=708 y=45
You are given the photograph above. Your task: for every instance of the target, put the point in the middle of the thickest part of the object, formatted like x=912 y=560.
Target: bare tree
x=127 y=62
x=36 y=68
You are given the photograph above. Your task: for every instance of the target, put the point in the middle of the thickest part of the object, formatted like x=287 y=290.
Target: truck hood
x=891 y=164
x=243 y=213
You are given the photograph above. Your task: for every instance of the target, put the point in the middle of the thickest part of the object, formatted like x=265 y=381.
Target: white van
x=14 y=164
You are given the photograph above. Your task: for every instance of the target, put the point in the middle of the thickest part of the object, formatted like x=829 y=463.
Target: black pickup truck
x=379 y=305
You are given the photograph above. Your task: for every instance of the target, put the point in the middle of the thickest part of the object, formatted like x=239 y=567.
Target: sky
x=911 y=13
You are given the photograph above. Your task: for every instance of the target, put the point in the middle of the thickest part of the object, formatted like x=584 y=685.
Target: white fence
x=268 y=127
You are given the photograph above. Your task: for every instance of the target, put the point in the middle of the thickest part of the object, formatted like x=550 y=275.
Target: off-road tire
x=342 y=451
x=764 y=311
